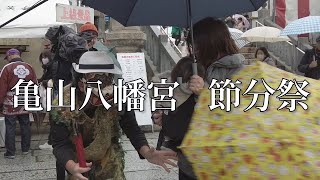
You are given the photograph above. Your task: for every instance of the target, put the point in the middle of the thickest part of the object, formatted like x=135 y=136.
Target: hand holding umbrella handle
x=183 y=89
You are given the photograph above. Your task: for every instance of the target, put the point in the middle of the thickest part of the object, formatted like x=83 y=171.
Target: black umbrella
x=180 y=13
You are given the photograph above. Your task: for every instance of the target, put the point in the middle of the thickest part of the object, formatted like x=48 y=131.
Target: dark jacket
x=63 y=146
x=181 y=118
x=175 y=125
x=64 y=72
x=49 y=72
x=306 y=61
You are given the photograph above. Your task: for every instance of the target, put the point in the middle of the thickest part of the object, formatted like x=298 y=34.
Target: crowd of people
x=218 y=58
x=237 y=21
x=98 y=126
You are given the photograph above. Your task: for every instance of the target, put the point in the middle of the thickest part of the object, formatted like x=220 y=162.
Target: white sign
x=133 y=67
x=74 y=14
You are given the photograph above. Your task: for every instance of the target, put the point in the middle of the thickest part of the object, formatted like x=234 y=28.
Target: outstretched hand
x=77 y=171
x=161 y=158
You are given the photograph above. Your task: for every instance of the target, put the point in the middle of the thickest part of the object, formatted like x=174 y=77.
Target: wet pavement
x=40 y=164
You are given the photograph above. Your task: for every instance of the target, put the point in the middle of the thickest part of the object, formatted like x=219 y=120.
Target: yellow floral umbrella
x=275 y=144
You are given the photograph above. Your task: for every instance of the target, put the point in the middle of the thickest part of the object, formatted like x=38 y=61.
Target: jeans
x=24 y=121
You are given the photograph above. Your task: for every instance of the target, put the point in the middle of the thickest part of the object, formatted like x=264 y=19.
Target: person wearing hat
x=99 y=127
x=89 y=32
x=309 y=63
x=11 y=73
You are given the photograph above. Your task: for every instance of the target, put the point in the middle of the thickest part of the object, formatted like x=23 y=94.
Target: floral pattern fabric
x=254 y=145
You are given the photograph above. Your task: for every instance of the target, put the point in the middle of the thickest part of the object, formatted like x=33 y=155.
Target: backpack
x=67 y=44
x=67 y=47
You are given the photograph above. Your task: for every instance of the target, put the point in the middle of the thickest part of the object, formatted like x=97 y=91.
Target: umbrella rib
x=135 y=4
x=252 y=4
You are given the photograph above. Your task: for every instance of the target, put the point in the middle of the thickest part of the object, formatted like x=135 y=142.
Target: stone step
x=248 y=55
x=248 y=61
x=248 y=50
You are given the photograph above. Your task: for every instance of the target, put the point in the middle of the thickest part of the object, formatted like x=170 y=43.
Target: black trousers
x=61 y=172
x=183 y=176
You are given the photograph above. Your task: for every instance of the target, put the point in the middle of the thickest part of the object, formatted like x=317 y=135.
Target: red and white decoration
x=290 y=10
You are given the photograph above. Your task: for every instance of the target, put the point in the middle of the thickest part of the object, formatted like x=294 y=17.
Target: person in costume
x=100 y=128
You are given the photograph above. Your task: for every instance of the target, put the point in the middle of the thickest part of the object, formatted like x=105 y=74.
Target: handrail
x=260 y=24
x=176 y=48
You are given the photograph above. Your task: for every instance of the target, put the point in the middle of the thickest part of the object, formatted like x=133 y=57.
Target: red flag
x=281 y=13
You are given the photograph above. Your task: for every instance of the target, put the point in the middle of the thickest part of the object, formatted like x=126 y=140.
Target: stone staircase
x=249 y=52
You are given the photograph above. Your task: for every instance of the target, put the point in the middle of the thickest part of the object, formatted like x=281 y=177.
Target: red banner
x=281 y=13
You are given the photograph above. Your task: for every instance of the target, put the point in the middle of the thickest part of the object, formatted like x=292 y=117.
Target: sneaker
x=25 y=153
x=8 y=156
x=45 y=146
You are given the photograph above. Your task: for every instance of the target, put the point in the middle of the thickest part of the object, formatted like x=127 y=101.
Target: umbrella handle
x=195 y=68
x=183 y=89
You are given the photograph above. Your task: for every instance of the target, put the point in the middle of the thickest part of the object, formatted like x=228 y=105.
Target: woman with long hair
x=215 y=50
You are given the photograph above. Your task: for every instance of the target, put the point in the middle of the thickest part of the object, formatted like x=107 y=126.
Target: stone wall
x=161 y=54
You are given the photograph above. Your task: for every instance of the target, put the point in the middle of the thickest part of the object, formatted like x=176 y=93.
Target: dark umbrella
x=170 y=12
x=180 y=13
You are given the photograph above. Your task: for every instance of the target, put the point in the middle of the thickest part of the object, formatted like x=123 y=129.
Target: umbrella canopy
x=264 y=34
x=275 y=144
x=310 y=24
x=182 y=13
x=169 y=12
x=236 y=34
x=33 y=24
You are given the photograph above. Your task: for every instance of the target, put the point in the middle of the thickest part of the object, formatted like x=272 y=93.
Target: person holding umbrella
x=309 y=63
x=217 y=52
